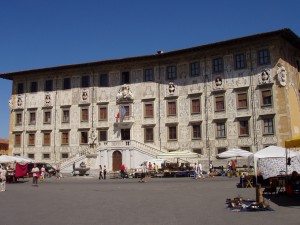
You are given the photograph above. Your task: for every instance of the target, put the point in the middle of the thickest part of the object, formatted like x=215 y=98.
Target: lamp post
x=159 y=52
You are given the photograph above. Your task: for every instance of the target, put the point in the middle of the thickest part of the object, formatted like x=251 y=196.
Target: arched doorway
x=117 y=160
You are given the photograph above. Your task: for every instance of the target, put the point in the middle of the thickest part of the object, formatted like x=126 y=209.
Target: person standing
x=100 y=172
x=73 y=169
x=199 y=170
x=155 y=169
x=43 y=171
x=35 y=175
x=195 y=171
x=3 y=173
x=211 y=169
x=104 y=172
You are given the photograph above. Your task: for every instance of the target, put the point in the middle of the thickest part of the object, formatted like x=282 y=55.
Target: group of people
x=3 y=173
x=231 y=167
x=102 y=172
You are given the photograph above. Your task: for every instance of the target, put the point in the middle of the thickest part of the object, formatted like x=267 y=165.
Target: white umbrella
x=234 y=153
x=177 y=154
x=6 y=159
x=23 y=159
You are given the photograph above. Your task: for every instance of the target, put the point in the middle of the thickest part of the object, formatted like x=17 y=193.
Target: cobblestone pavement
x=161 y=201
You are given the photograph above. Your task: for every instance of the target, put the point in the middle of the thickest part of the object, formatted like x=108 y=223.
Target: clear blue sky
x=44 y=33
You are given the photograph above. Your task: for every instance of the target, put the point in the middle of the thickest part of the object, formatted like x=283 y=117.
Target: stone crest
x=84 y=95
x=47 y=99
x=124 y=94
x=265 y=77
x=218 y=83
x=20 y=101
x=171 y=88
x=281 y=75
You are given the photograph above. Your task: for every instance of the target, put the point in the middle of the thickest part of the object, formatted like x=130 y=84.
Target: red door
x=117 y=160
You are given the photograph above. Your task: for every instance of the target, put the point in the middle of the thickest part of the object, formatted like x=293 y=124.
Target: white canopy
x=270 y=152
x=10 y=159
x=177 y=154
x=235 y=152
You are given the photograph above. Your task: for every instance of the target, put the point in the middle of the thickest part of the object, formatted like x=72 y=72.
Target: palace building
x=240 y=93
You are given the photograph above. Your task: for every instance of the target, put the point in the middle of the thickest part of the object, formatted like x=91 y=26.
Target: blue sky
x=37 y=34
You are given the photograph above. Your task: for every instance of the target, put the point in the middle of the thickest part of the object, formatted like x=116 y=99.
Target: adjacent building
x=3 y=147
x=240 y=93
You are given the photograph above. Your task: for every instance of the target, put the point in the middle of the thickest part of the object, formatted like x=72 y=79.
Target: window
x=219 y=103
x=196 y=133
x=46 y=156
x=66 y=83
x=85 y=115
x=244 y=128
x=149 y=134
x=263 y=57
x=127 y=111
x=266 y=96
x=242 y=101
x=85 y=81
x=125 y=78
x=171 y=108
x=48 y=85
x=102 y=135
x=31 y=139
x=195 y=69
x=102 y=112
x=66 y=116
x=218 y=65
x=32 y=118
x=198 y=151
x=268 y=124
x=30 y=155
x=172 y=133
x=220 y=150
x=148 y=75
x=84 y=137
x=171 y=73
x=65 y=138
x=246 y=148
x=18 y=118
x=221 y=129
x=148 y=110
x=47 y=117
x=240 y=61
x=47 y=138
x=33 y=87
x=20 y=88
x=17 y=139
x=195 y=109
x=64 y=155
x=103 y=80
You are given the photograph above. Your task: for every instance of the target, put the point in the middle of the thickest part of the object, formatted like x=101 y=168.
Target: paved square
x=165 y=201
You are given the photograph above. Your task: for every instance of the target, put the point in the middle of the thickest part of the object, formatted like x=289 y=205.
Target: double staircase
x=108 y=145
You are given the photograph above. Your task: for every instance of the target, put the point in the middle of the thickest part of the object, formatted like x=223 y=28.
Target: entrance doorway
x=125 y=134
x=117 y=160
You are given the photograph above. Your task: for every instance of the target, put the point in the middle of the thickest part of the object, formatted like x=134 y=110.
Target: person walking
x=43 y=171
x=195 y=171
x=104 y=172
x=35 y=175
x=200 y=171
x=3 y=173
x=73 y=169
x=100 y=172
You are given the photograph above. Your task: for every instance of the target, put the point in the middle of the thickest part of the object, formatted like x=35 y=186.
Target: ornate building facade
x=240 y=93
